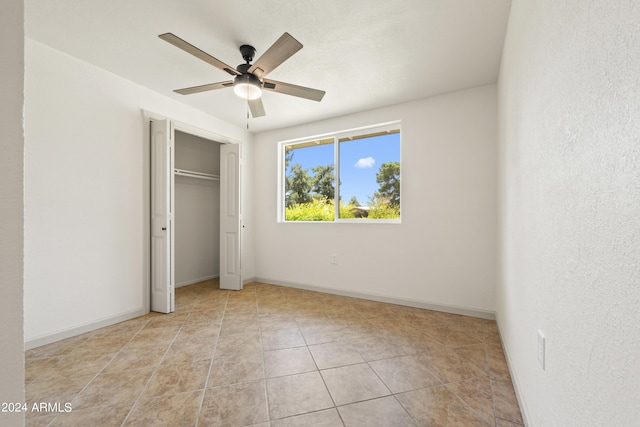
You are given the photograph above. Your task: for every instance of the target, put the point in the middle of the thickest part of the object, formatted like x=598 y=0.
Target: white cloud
x=365 y=163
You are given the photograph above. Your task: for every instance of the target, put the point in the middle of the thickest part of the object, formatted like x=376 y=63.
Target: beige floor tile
x=239 y=368
x=61 y=390
x=234 y=344
x=247 y=312
x=34 y=368
x=505 y=402
x=505 y=423
x=323 y=334
x=383 y=412
x=315 y=318
x=469 y=325
x=77 y=365
x=376 y=348
x=113 y=388
x=154 y=336
x=335 y=354
x=282 y=338
x=203 y=331
x=448 y=367
x=136 y=358
x=56 y=349
x=452 y=338
x=475 y=354
x=170 y=410
x=171 y=319
x=268 y=322
x=297 y=394
x=234 y=405
x=353 y=383
x=231 y=341
x=106 y=416
x=498 y=367
x=110 y=341
x=326 y=418
x=288 y=361
x=239 y=325
x=210 y=317
x=415 y=342
x=437 y=406
x=477 y=393
x=185 y=351
x=405 y=373
x=40 y=421
x=90 y=349
x=178 y=378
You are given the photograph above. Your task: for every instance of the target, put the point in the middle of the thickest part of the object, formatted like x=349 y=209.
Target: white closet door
x=162 y=289
x=230 y=217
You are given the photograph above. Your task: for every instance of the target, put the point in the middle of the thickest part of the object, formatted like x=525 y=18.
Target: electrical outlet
x=334 y=259
x=541 y=349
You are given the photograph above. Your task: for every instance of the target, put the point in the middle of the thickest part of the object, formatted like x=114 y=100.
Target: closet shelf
x=194 y=174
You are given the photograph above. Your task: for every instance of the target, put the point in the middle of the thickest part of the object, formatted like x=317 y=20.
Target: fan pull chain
x=247 y=115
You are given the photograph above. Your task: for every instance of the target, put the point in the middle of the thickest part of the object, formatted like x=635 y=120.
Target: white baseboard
x=201 y=279
x=483 y=314
x=514 y=377
x=72 y=332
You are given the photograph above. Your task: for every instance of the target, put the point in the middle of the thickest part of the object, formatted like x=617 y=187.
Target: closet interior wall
x=197 y=209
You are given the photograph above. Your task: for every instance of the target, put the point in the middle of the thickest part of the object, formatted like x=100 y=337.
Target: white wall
x=87 y=191
x=569 y=96
x=443 y=253
x=197 y=210
x=12 y=217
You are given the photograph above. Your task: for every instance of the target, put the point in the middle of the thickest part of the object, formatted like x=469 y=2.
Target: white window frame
x=394 y=125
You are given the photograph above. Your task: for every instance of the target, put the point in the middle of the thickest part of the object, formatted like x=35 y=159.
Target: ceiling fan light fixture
x=247 y=86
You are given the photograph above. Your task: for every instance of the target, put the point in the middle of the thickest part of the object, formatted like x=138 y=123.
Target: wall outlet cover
x=541 y=349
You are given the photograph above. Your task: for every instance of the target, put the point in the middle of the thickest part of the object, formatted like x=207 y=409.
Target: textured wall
x=12 y=216
x=569 y=114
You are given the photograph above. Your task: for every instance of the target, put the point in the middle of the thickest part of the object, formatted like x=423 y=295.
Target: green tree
x=353 y=201
x=388 y=177
x=323 y=182
x=288 y=157
x=298 y=186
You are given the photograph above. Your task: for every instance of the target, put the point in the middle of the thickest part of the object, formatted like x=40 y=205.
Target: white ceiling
x=364 y=53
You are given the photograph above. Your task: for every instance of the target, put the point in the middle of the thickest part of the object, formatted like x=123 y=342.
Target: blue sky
x=360 y=160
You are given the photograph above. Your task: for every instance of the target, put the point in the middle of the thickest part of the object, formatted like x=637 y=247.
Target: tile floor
x=276 y=356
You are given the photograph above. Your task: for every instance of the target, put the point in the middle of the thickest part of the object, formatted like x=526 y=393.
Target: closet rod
x=193 y=174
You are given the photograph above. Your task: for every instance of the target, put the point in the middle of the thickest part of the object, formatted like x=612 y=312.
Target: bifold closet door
x=230 y=217
x=162 y=290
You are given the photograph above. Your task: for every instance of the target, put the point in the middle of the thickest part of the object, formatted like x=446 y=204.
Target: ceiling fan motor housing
x=248 y=52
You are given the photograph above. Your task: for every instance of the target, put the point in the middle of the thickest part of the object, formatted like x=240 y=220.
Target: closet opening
x=196 y=209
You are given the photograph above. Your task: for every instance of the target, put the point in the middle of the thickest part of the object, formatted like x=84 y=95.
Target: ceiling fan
x=249 y=79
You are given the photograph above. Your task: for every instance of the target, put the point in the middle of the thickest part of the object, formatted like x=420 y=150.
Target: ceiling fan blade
x=204 y=88
x=189 y=48
x=294 y=90
x=279 y=52
x=256 y=107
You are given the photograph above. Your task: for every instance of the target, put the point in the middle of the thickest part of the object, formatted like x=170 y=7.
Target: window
x=364 y=162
